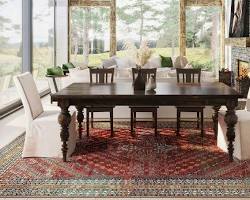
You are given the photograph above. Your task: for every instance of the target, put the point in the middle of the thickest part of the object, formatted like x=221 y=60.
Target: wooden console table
x=166 y=94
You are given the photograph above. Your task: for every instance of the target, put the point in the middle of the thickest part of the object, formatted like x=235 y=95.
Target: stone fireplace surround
x=239 y=53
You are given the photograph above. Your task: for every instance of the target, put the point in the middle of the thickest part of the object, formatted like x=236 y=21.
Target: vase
x=151 y=84
x=139 y=83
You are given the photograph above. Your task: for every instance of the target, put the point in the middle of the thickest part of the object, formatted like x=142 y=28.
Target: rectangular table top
x=84 y=90
x=165 y=94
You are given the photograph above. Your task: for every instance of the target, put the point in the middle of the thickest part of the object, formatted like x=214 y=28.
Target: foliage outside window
x=155 y=21
x=10 y=48
x=203 y=37
x=89 y=35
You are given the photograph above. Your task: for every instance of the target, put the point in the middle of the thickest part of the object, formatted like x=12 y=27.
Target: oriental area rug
x=126 y=166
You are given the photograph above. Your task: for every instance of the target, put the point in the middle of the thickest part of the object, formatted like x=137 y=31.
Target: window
x=89 y=35
x=12 y=53
x=203 y=37
x=10 y=49
x=154 y=21
x=43 y=40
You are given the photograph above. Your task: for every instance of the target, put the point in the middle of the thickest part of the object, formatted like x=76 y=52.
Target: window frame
x=182 y=21
x=182 y=29
x=111 y=4
x=27 y=49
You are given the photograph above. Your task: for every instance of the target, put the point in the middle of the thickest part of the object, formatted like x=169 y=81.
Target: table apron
x=148 y=102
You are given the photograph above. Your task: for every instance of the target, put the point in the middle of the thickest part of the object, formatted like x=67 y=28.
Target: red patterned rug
x=145 y=165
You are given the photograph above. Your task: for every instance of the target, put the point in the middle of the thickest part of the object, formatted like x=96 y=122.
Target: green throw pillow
x=166 y=61
x=55 y=71
x=67 y=66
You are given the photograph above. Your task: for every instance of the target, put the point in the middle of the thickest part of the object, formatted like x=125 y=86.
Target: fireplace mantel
x=238 y=42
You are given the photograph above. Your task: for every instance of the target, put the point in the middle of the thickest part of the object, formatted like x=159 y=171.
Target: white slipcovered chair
x=42 y=138
x=5 y=82
x=58 y=83
x=55 y=84
x=242 y=132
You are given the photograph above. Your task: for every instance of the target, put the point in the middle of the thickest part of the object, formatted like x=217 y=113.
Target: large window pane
x=89 y=35
x=61 y=32
x=43 y=39
x=203 y=37
x=10 y=48
x=155 y=21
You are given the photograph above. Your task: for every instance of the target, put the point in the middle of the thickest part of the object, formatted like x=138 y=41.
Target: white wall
x=61 y=32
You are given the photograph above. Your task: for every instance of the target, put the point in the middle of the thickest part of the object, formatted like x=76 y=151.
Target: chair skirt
x=42 y=137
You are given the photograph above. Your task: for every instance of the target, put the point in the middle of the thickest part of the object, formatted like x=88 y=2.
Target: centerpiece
x=142 y=55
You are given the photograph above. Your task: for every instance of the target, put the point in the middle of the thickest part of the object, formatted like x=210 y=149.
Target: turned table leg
x=231 y=120
x=64 y=119
x=80 y=118
x=215 y=119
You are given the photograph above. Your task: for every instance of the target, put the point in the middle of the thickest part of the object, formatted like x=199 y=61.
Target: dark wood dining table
x=82 y=95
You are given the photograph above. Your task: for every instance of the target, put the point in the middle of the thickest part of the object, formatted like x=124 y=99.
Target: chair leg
x=198 y=120
x=87 y=122
x=202 y=125
x=132 y=123
x=112 y=123
x=178 y=123
x=92 y=119
x=134 y=113
x=155 y=122
x=153 y=119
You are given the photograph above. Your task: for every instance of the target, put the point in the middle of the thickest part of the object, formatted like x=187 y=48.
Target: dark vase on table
x=139 y=83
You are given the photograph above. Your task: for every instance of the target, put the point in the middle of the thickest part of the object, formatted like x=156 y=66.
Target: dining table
x=82 y=95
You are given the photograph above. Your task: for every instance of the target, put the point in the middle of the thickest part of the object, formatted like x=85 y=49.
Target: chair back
x=29 y=95
x=188 y=75
x=146 y=73
x=180 y=62
x=5 y=82
x=55 y=83
x=52 y=84
x=101 y=75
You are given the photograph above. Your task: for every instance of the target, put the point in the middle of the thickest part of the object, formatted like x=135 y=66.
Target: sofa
x=123 y=70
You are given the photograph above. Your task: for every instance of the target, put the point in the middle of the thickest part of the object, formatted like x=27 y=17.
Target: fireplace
x=239 y=56
x=243 y=77
x=243 y=69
